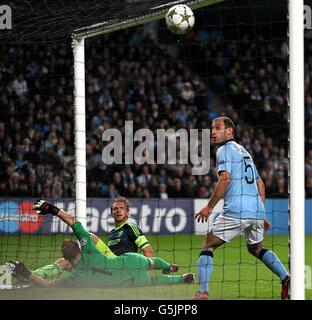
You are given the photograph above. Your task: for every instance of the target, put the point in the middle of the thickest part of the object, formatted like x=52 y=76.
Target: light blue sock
x=270 y=259
x=204 y=268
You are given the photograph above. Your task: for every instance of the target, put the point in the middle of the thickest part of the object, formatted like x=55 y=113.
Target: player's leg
x=224 y=229
x=138 y=265
x=143 y=278
x=187 y=278
x=136 y=261
x=135 y=264
x=154 y=263
x=254 y=236
x=160 y=264
x=269 y=258
x=205 y=265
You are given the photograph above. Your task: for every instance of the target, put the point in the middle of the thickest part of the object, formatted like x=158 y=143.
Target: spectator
x=119 y=185
x=187 y=93
x=19 y=85
x=93 y=190
x=177 y=190
x=131 y=191
x=153 y=187
x=57 y=189
x=145 y=177
x=128 y=176
x=112 y=192
x=163 y=191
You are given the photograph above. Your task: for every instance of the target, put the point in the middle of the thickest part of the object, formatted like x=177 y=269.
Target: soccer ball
x=180 y=19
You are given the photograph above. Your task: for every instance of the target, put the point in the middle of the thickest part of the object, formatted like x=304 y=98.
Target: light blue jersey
x=242 y=199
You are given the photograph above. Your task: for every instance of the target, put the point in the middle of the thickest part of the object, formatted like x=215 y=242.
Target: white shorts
x=227 y=228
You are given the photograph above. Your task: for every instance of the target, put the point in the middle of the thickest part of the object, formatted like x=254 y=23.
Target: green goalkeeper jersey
x=94 y=269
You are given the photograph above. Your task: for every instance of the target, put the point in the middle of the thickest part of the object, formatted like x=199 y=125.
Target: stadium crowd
x=129 y=77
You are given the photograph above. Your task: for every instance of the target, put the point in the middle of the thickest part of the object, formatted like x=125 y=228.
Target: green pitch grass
x=236 y=275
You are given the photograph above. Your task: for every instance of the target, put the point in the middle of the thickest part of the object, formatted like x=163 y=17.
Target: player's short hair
x=228 y=123
x=124 y=200
x=70 y=248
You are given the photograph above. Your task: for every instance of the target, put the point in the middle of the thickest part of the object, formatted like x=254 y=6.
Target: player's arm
x=58 y=283
x=136 y=235
x=41 y=282
x=53 y=270
x=148 y=251
x=218 y=194
x=144 y=246
x=220 y=189
x=19 y=269
x=94 y=237
x=261 y=189
x=66 y=217
x=43 y=207
x=224 y=168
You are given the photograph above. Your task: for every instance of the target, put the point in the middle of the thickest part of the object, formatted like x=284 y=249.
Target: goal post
x=80 y=129
x=296 y=122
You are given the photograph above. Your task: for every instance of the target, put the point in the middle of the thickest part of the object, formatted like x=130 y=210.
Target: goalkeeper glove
x=45 y=208
x=19 y=269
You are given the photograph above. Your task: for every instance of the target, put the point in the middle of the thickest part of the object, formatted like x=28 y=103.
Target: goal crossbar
x=155 y=13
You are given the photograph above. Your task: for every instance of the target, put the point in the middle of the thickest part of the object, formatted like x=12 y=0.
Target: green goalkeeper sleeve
x=50 y=271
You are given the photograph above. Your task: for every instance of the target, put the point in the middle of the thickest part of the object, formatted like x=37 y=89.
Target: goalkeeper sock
x=204 y=269
x=160 y=264
x=270 y=259
x=50 y=271
x=164 y=279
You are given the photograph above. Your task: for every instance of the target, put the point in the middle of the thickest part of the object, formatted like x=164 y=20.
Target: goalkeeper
x=125 y=237
x=94 y=269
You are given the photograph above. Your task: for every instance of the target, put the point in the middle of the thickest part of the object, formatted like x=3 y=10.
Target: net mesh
x=233 y=63
x=57 y=20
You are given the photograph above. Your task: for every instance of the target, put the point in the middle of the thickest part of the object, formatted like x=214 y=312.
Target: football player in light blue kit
x=243 y=212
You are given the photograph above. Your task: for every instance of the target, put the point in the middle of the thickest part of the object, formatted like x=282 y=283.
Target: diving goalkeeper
x=91 y=268
x=124 y=237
